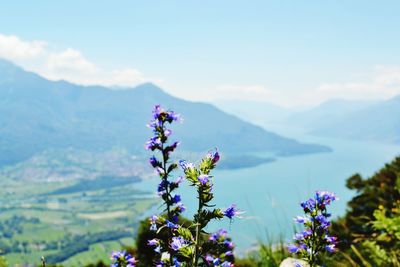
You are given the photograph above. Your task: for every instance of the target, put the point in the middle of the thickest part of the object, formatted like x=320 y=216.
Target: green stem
x=313 y=239
x=165 y=179
x=167 y=202
x=198 y=229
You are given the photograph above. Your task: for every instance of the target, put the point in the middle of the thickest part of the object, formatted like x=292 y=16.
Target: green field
x=69 y=221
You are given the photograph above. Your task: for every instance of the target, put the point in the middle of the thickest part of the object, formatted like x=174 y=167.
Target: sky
x=290 y=53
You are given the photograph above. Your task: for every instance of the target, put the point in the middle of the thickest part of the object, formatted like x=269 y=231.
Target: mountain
x=326 y=113
x=375 y=120
x=37 y=114
x=260 y=113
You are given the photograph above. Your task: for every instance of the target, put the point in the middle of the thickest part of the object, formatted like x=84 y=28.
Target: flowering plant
x=185 y=245
x=201 y=178
x=123 y=259
x=315 y=238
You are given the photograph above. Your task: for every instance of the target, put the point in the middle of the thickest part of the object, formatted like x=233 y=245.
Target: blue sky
x=286 y=52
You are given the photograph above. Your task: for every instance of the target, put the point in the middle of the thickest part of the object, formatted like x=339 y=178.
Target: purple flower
x=153 y=242
x=331 y=248
x=172 y=116
x=229 y=253
x=153 y=143
x=177 y=243
x=229 y=244
x=331 y=239
x=162 y=186
x=153 y=161
x=221 y=233
x=203 y=179
x=155 y=124
x=160 y=171
x=172 y=147
x=322 y=221
x=315 y=238
x=301 y=219
x=298 y=236
x=186 y=165
x=156 y=111
x=180 y=207
x=214 y=156
x=153 y=226
x=123 y=259
x=293 y=248
x=303 y=246
x=216 y=261
x=159 y=114
x=167 y=132
x=325 y=197
x=175 y=219
x=176 y=262
x=306 y=233
x=153 y=218
x=308 y=205
x=171 y=225
x=118 y=255
x=209 y=258
x=231 y=211
x=176 y=199
x=131 y=262
x=179 y=180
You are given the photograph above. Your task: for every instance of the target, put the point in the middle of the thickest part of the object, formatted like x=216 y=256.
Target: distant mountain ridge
x=326 y=112
x=367 y=120
x=37 y=114
x=258 y=112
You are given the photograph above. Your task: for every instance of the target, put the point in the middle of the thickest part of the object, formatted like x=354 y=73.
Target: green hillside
x=37 y=114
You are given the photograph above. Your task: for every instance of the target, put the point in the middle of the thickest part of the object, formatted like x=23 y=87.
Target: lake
x=270 y=193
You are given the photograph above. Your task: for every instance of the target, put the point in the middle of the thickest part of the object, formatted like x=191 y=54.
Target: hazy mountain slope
x=326 y=113
x=380 y=122
x=260 y=113
x=354 y=119
x=36 y=114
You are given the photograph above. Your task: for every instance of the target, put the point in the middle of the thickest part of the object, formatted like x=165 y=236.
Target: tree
x=369 y=228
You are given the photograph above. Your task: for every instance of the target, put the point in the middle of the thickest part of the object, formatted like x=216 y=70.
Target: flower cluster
x=201 y=178
x=122 y=259
x=314 y=239
x=163 y=167
x=174 y=243
x=221 y=249
x=173 y=205
x=185 y=246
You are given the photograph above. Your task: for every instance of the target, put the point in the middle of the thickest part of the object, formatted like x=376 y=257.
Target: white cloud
x=382 y=84
x=71 y=65
x=13 y=48
x=70 y=60
x=388 y=76
x=68 y=64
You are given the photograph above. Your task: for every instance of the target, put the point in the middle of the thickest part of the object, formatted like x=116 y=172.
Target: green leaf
x=185 y=233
